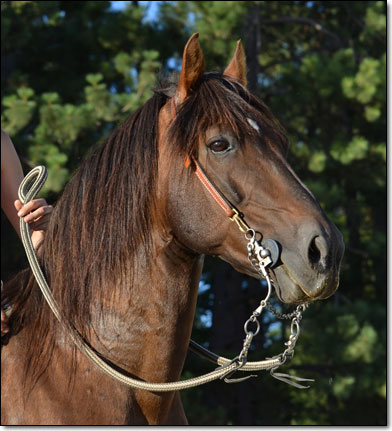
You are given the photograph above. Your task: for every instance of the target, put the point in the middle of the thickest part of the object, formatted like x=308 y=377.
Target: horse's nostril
x=318 y=253
x=313 y=252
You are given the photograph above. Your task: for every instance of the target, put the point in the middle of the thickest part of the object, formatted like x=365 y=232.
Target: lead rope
x=28 y=190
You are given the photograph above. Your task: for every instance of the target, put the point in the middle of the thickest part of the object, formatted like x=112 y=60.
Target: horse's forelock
x=220 y=100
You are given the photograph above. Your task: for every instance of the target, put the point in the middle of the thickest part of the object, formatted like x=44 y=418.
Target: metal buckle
x=244 y=228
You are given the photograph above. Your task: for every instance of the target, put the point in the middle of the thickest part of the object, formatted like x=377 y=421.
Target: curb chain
x=301 y=308
x=260 y=259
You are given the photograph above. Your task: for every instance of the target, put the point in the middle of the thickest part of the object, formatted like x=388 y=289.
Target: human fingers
x=41 y=212
x=39 y=225
x=31 y=206
x=18 y=204
x=40 y=220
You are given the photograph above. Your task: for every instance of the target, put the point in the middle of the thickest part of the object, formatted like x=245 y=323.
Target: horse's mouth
x=287 y=287
x=289 y=290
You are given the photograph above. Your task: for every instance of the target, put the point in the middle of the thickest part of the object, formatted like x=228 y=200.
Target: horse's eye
x=219 y=146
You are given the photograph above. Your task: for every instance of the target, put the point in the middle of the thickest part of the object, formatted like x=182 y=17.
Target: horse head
x=214 y=119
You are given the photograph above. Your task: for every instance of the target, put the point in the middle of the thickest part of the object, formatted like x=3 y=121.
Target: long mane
x=104 y=217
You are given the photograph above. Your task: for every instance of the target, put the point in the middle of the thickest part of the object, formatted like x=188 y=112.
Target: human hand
x=37 y=213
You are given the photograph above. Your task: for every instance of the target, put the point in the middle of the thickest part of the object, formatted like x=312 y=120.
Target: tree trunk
x=253 y=45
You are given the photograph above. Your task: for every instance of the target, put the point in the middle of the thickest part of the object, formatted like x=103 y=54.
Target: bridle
x=263 y=255
x=261 y=258
x=270 y=247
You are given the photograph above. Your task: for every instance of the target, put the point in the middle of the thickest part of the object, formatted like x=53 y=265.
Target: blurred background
x=72 y=70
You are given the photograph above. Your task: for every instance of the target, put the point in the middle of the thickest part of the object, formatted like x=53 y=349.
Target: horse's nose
x=322 y=247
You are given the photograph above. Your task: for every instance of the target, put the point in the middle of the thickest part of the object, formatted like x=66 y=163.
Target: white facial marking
x=253 y=124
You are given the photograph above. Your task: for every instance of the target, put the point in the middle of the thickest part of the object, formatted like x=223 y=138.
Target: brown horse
x=124 y=251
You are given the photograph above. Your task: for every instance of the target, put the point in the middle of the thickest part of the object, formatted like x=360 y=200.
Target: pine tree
x=73 y=70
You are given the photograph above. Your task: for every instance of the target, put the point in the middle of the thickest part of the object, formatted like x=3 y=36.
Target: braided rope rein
x=28 y=190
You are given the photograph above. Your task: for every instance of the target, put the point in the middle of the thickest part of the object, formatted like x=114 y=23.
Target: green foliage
x=18 y=110
x=375 y=22
x=354 y=362
x=355 y=150
x=74 y=70
x=65 y=128
x=363 y=87
x=317 y=161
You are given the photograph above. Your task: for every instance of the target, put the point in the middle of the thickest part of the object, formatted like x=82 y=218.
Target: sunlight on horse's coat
x=129 y=285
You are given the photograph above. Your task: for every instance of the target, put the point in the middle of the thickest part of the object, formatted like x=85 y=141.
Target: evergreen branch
x=307 y=21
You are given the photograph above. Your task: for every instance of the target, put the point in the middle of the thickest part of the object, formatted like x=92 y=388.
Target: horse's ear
x=192 y=68
x=237 y=68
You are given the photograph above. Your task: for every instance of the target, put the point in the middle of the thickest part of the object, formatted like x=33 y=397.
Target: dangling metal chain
x=288 y=316
x=260 y=259
x=288 y=354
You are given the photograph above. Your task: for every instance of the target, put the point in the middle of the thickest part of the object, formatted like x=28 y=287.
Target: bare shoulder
x=8 y=152
x=6 y=142
x=7 y=147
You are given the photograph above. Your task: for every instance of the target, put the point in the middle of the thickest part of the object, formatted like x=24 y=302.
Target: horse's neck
x=149 y=330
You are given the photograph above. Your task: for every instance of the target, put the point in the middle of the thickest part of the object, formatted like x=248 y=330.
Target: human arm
x=37 y=212
x=11 y=177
